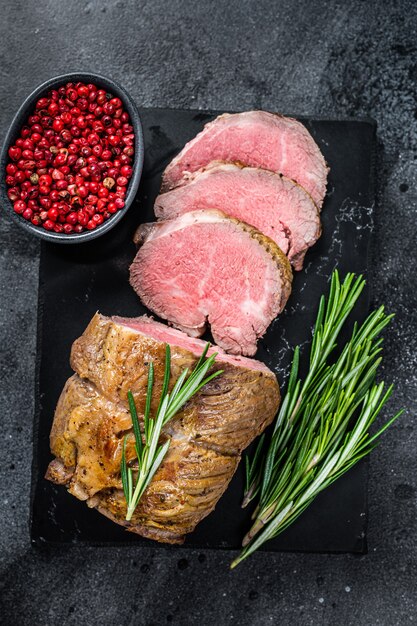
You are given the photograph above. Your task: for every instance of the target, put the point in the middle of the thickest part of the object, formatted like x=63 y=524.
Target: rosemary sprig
x=149 y=452
x=322 y=428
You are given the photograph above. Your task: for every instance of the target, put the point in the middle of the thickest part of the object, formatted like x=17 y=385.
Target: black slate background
x=351 y=58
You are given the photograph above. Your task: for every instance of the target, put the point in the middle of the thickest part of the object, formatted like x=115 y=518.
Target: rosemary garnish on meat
x=322 y=427
x=149 y=452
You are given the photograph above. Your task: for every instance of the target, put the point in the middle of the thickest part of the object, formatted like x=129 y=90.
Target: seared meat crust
x=207 y=437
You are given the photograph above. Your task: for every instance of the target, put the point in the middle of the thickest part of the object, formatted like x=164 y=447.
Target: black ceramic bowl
x=19 y=120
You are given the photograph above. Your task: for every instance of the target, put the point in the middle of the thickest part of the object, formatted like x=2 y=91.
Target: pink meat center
x=210 y=272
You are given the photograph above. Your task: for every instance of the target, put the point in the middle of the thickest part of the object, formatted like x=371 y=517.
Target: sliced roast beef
x=206 y=439
x=274 y=204
x=258 y=139
x=206 y=268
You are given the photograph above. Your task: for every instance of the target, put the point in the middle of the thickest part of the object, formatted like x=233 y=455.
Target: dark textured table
x=351 y=58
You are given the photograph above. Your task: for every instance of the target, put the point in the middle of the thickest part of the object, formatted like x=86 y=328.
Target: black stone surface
x=78 y=280
x=330 y=58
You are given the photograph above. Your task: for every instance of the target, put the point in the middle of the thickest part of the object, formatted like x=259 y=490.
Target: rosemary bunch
x=322 y=427
x=149 y=452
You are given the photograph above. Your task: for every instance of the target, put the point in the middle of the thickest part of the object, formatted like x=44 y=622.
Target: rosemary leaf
x=148 y=401
x=136 y=427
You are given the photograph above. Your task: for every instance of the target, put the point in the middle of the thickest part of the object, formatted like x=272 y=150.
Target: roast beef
x=206 y=268
x=274 y=204
x=207 y=437
x=258 y=139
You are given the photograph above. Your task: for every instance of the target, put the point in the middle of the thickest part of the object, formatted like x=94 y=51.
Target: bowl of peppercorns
x=72 y=159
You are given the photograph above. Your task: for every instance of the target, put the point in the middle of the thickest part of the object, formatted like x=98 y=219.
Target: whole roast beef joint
x=206 y=438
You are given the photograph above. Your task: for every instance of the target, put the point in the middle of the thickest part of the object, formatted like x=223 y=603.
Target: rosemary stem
x=322 y=427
